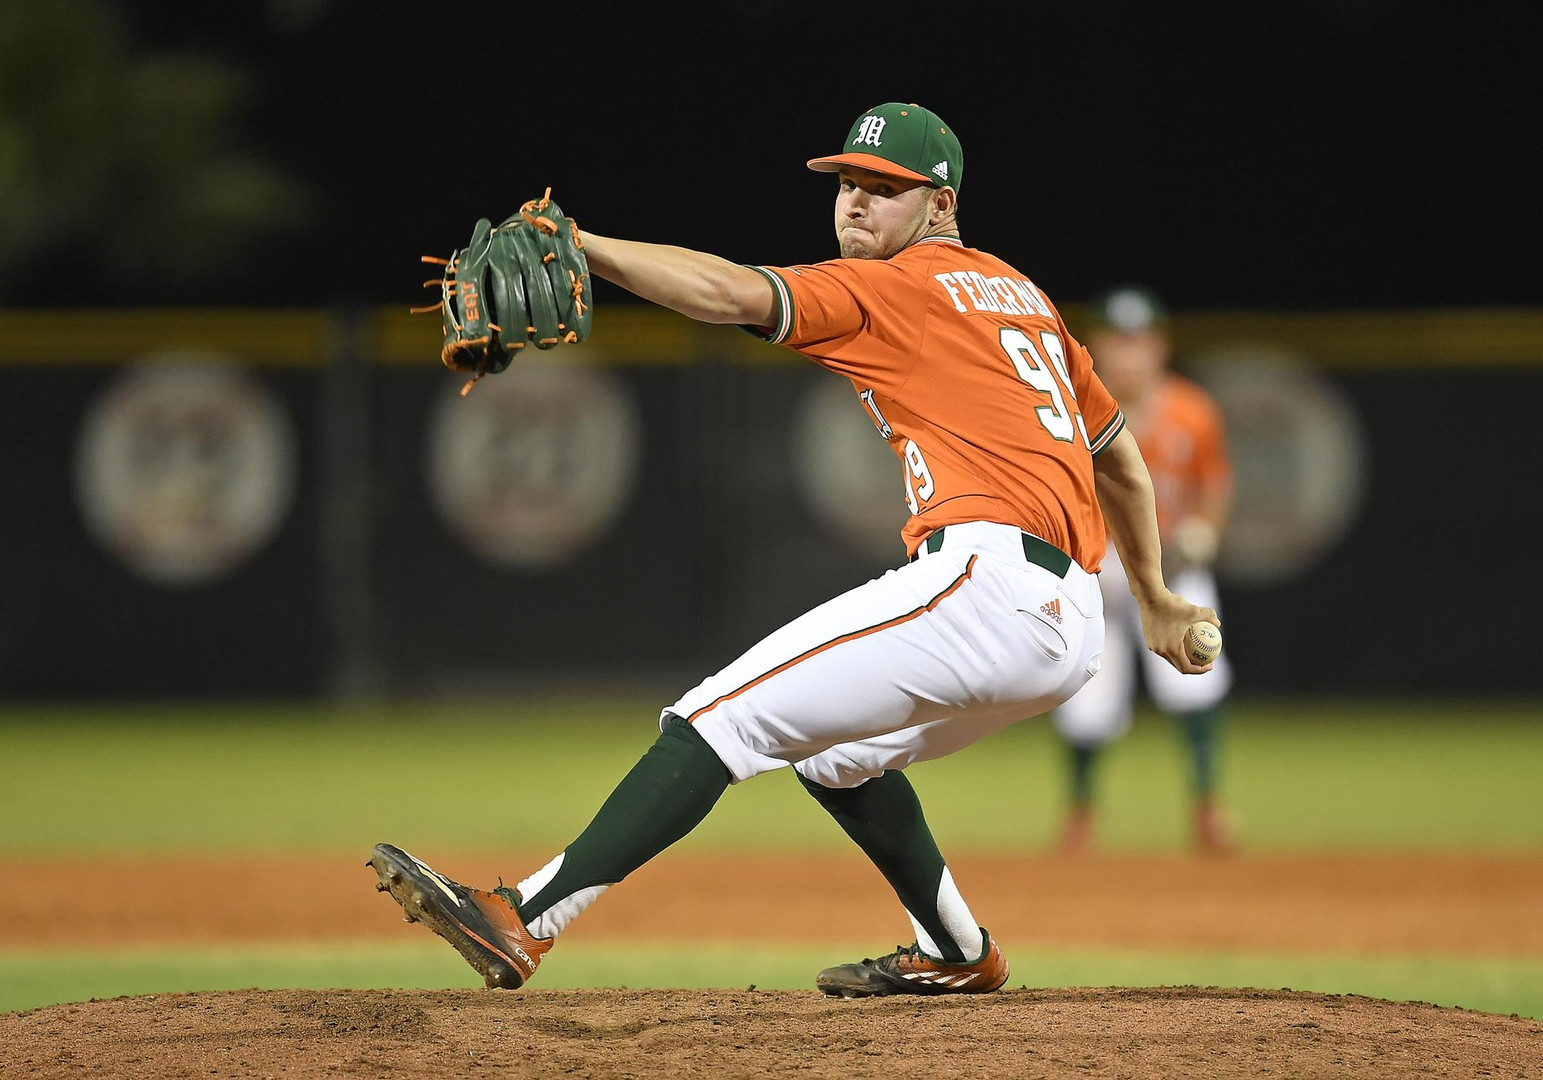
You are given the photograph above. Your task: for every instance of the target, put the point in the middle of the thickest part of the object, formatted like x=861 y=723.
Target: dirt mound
x=744 y=1033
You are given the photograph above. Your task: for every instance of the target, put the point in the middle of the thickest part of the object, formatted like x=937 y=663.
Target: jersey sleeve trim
x=783 y=326
x=1115 y=425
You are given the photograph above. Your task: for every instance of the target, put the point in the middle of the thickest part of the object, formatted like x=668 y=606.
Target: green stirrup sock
x=1201 y=731
x=884 y=817
x=1082 y=758
x=667 y=793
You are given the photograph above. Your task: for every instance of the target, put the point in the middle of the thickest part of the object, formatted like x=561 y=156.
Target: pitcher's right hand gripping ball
x=1203 y=642
x=523 y=282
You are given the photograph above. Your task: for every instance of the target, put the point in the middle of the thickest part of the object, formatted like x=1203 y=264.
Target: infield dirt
x=1480 y=905
x=679 y=1033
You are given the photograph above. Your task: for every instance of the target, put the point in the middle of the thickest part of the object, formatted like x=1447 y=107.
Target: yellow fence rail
x=1351 y=340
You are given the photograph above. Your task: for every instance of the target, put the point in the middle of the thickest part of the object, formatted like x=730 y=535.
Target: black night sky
x=1316 y=155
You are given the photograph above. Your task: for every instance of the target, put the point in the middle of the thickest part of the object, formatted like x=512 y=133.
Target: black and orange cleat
x=1077 y=831
x=1215 y=830
x=911 y=971
x=484 y=927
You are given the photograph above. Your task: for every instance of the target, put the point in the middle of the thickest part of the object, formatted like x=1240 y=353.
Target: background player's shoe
x=1077 y=830
x=484 y=927
x=1214 y=830
x=911 y=971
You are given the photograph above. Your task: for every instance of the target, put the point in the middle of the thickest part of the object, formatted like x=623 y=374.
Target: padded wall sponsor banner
x=1299 y=453
x=185 y=467
x=534 y=466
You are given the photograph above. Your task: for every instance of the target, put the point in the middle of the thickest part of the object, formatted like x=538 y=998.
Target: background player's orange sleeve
x=1212 y=466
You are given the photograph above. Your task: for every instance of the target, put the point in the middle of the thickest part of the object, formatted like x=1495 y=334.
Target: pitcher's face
x=877 y=215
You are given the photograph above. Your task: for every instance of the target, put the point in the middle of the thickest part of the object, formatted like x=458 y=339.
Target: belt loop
x=935 y=542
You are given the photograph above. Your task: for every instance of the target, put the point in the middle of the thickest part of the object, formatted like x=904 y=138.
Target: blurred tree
x=118 y=167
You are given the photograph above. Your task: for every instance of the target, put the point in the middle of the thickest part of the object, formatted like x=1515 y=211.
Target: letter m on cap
x=869 y=131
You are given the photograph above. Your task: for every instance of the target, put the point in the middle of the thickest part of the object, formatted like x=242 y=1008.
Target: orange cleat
x=1214 y=830
x=484 y=927
x=1077 y=831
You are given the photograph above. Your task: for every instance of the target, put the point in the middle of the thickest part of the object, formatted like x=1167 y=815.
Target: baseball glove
x=519 y=283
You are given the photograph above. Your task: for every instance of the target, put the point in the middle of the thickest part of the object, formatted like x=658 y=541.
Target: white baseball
x=1203 y=642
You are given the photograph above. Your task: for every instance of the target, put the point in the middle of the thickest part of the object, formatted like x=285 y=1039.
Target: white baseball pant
x=913 y=665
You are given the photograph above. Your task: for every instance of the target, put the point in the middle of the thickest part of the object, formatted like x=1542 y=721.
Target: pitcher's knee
x=833 y=769
x=740 y=743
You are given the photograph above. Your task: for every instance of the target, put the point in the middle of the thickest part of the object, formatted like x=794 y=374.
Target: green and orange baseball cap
x=901 y=140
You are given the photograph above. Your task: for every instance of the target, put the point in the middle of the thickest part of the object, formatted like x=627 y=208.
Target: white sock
x=555 y=919
x=955 y=916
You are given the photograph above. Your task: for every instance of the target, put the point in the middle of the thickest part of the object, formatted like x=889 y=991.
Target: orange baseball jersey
x=1184 y=442
x=970 y=374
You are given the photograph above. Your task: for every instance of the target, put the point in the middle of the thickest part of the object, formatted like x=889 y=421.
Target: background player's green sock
x=667 y=793
x=1201 y=730
x=1082 y=759
x=884 y=817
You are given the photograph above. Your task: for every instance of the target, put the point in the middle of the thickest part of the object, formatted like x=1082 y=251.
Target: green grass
x=1306 y=776
x=31 y=980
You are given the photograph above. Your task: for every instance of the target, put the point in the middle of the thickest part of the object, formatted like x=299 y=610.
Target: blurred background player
x=1180 y=432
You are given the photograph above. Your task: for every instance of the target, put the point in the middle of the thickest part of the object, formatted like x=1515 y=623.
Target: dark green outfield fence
x=216 y=503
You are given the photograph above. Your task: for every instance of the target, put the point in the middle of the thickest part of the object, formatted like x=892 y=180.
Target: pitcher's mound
x=1170 y=1031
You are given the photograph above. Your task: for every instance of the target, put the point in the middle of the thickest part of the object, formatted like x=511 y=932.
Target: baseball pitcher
x=1013 y=456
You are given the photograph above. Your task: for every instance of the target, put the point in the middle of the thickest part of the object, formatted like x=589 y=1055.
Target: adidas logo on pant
x=1053 y=610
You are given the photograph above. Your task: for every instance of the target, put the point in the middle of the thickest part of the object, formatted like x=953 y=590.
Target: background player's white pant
x=1101 y=711
x=911 y=666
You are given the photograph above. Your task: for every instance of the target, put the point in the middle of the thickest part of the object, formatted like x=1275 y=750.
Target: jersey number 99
x=1062 y=423
x=1049 y=379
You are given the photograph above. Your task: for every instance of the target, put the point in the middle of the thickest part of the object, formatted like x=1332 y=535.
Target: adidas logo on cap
x=941 y=169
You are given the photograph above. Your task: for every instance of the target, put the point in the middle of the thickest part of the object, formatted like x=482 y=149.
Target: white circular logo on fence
x=184 y=468
x=846 y=470
x=534 y=465
x=1299 y=455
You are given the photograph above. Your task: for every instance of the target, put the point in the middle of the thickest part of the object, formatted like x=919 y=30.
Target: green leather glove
x=523 y=282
